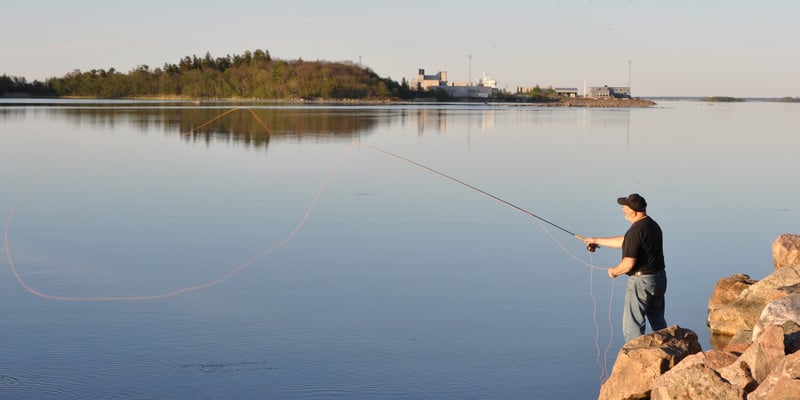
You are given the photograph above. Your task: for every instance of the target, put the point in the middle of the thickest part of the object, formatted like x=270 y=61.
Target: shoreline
x=566 y=102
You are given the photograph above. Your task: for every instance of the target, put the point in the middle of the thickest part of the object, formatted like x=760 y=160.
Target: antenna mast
x=469 y=78
x=629 y=79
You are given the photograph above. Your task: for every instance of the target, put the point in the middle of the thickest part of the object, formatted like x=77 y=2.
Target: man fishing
x=643 y=262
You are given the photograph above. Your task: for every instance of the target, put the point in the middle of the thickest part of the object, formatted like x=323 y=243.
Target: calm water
x=399 y=284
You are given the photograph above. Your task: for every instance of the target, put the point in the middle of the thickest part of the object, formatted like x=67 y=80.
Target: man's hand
x=587 y=241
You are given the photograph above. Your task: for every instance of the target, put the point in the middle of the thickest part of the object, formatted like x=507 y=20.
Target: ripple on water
x=227 y=367
x=49 y=384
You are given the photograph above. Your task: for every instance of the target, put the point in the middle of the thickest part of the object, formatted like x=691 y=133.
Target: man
x=643 y=262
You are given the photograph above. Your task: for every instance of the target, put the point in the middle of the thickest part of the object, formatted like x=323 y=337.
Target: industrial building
x=618 y=92
x=483 y=89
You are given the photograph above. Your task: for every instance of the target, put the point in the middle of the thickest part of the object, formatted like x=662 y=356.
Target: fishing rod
x=590 y=247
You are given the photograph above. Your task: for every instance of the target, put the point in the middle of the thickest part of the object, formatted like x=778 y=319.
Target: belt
x=640 y=273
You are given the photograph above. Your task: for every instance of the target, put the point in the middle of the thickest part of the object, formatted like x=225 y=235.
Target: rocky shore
x=603 y=103
x=755 y=327
x=561 y=102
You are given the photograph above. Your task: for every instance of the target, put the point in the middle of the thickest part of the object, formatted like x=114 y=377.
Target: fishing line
x=604 y=373
x=239 y=268
x=467 y=185
x=234 y=271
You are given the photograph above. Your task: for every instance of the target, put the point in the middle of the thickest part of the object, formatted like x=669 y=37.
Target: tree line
x=15 y=85
x=252 y=75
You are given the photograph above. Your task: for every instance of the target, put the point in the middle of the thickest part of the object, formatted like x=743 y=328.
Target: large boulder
x=786 y=250
x=713 y=359
x=728 y=289
x=779 y=312
x=764 y=354
x=695 y=382
x=782 y=383
x=743 y=312
x=756 y=363
x=642 y=360
x=695 y=377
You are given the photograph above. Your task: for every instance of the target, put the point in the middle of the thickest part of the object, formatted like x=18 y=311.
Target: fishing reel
x=592 y=247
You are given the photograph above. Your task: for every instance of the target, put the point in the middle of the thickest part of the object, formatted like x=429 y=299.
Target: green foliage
x=537 y=95
x=789 y=100
x=15 y=86
x=252 y=75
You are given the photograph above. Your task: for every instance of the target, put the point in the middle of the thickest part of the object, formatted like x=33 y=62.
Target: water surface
x=399 y=283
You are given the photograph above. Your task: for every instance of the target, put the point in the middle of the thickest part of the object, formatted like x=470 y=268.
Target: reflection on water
x=336 y=123
x=718 y=342
x=238 y=126
x=342 y=124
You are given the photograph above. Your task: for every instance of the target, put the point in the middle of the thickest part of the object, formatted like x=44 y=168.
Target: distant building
x=619 y=92
x=426 y=82
x=484 y=89
x=481 y=92
x=567 y=92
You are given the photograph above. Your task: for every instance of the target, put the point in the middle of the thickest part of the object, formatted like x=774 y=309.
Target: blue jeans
x=644 y=298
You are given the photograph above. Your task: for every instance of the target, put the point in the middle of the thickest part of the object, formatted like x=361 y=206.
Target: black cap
x=634 y=201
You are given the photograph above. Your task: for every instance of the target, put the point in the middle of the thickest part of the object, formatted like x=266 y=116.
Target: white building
x=425 y=82
x=484 y=89
x=566 y=92
x=619 y=92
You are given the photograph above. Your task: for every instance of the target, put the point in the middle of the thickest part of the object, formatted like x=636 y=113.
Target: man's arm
x=613 y=241
x=624 y=266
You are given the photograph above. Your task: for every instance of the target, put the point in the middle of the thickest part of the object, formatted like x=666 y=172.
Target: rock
x=644 y=359
x=786 y=250
x=694 y=382
x=756 y=363
x=791 y=337
x=778 y=312
x=765 y=353
x=739 y=376
x=713 y=359
x=676 y=384
x=782 y=383
x=728 y=289
x=743 y=312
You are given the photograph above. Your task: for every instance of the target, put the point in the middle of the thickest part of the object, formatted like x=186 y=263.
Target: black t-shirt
x=644 y=242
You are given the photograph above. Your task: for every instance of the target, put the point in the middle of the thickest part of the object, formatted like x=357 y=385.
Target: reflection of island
x=249 y=127
x=240 y=126
x=246 y=125
x=257 y=126
x=437 y=118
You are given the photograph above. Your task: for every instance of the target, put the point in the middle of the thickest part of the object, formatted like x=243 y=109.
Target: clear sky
x=667 y=48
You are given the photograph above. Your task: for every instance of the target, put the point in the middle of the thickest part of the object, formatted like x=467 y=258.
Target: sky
x=661 y=48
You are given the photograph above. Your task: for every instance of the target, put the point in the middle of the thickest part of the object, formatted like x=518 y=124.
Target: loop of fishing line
x=276 y=246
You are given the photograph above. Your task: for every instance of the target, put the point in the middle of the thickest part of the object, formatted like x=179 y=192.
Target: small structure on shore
x=567 y=92
x=618 y=92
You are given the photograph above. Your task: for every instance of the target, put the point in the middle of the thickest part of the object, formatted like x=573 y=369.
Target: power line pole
x=469 y=80
x=630 y=91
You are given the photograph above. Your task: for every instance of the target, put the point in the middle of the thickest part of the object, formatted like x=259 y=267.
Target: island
x=256 y=75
